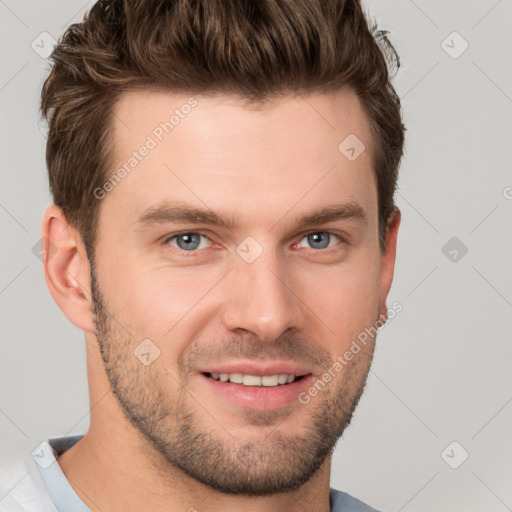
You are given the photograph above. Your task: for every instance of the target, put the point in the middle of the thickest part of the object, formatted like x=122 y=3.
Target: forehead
x=158 y=113
x=213 y=151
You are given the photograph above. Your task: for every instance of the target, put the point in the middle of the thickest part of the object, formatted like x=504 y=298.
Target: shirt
x=38 y=484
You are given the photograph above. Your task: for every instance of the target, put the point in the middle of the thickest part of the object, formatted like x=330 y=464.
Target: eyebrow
x=181 y=212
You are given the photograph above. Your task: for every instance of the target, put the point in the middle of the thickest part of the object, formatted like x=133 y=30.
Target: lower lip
x=259 y=397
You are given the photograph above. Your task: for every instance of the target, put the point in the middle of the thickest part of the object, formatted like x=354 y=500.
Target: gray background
x=442 y=366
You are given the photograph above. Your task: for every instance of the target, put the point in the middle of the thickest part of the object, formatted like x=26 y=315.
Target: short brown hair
x=252 y=49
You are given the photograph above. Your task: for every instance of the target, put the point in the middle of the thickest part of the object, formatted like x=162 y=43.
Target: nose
x=260 y=298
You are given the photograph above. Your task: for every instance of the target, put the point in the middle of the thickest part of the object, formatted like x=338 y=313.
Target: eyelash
x=193 y=253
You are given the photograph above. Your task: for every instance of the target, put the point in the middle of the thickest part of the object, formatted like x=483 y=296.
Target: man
x=223 y=232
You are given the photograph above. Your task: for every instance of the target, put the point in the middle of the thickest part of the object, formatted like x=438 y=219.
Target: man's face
x=263 y=296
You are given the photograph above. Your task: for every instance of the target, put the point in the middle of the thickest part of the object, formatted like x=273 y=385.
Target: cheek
x=161 y=305
x=171 y=306
x=347 y=303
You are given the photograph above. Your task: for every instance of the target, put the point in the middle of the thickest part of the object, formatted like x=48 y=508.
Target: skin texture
x=159 y=435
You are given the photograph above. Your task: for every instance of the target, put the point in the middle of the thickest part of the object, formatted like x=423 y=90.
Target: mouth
x=257 y=387
x=278 y=379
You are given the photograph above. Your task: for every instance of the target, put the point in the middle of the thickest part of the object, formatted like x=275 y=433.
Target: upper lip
x=258 y=368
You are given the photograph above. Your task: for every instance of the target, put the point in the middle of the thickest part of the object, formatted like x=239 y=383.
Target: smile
x=257 y=388
x=255 y=380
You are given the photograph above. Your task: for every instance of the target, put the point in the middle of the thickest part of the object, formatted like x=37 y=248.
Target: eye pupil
x=316 y=238
x=190 y=239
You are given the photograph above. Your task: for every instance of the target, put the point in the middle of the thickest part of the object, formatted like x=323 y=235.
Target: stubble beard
x=265 y=465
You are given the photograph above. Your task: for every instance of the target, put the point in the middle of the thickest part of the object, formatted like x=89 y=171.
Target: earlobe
x=66 y=268
x=388 y=258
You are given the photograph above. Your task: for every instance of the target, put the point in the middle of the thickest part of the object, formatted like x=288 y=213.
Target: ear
x=67 y=268
x=388 y=256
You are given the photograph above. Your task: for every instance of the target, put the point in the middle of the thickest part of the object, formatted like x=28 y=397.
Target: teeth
x=251 y=380
x=254 y=380
x=282 y=378
x=270 y=380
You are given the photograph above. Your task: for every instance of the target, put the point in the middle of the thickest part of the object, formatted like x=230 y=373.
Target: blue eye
x=187 y=241
x=320 y=239
x=190 y=242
